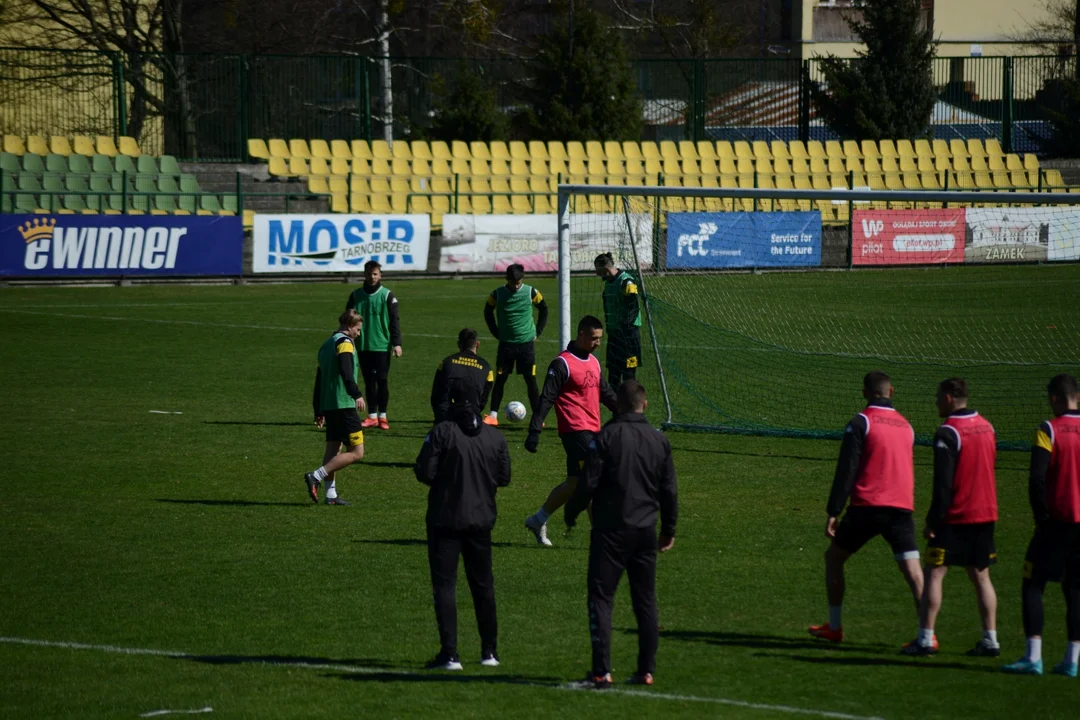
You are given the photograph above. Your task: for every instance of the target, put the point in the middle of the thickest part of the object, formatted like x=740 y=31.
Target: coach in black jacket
x=629 y=477
x=464 y=462
x=461 y=377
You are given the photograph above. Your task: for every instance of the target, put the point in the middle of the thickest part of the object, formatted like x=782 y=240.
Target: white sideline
x=158 y=713
x=379 y=671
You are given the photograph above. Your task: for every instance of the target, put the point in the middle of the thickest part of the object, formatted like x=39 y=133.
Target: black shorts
x=519 y=356
x=344 y=426
x=374 y=363
x=1054 y=552
x=577 y=445
x=860 y=525
x=624 y=350
x=962 y=545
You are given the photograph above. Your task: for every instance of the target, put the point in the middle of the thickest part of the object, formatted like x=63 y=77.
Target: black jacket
x=629 y=477
x=464 y=461
x=461 y=377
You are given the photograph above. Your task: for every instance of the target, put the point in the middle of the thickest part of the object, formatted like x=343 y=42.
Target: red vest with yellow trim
x=974 y=497
x=578 y=405
x=887 y=467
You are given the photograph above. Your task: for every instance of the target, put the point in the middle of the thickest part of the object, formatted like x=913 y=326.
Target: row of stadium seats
x=77 y=145
x=168 y=191
x=86 y=164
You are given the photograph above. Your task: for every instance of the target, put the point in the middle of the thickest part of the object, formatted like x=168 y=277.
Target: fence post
x=697 y=127
x=804 y=101
x=121 y=93
x=367 y=98
x=245 y=109
x=239 y=195
x=1007 y=104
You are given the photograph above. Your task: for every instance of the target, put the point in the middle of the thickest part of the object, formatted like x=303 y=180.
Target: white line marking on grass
x=166 y=412
x=224 y=660
x=156 y=713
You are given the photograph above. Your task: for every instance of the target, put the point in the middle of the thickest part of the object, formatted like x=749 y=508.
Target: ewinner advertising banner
x=741 y=239
x=104 y=245
x=339 y=243
x=1011 y=234
x=490 y=243
x=907 y=237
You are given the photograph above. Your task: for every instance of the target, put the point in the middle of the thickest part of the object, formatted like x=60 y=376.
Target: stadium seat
x=479 y=167
x=613 y=151
x=779 y=149
x=688 y=150
x=907 y=164
x=339 y=149
x=650 y=150
x=401 y=150
x=14 y=144
x=440 y=150
x=993 y=147
x=339 y=203
x=380 y=167
x=298 y=167
x=319 y=166
x=421 y=167
x=1013 y=162
x=836 y=164
x=941 y=149
x=380 y=149
x=904 y=148
x=781 y=166
x=36 y=144
x=557 y=151
x=279 y=167
x=851 y=149
x=440 y=167
x=33 y=163
x=519 y=167
x=81 y=164
x=478 y=151
x=519 y=151
x=975 y=148
x=278 y=148
x=320 y=149
x=56 y=163
x=595 y=150
x=340 y=166
x=59 y=145
x=798 y=150
x=361 y=149
x=83 y=145
x=595 y=166
x=379 y=185
x=815 y=149
x=338 y=185
x=996 y=162
x=538 y=150
x=743 y=150
x=459 y=149
x=499 y=167
x=9 y=162
x=960 y=162
x=399 y=167
x=360 y=166
x=257 y=149
x=615 y=168
x=169 y=165
x=818 y=164
x=923 y=149
x=129 y=146
x=576 y=151
x=359 y=184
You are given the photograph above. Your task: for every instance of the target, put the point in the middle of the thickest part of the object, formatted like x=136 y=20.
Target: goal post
x=762 y=308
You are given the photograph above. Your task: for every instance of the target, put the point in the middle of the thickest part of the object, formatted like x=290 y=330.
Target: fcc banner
x=907 y=237
x=88 y=245
x=741 y=239
x=339 y=243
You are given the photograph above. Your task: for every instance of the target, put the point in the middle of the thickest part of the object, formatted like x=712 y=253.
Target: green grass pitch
x=190 y=534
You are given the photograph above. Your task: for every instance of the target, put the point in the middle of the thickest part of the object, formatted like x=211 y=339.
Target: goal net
x=762 y=309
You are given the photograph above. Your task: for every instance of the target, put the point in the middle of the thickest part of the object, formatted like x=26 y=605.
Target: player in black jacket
x=630 y=476
x=464 y=462
x=461 y=377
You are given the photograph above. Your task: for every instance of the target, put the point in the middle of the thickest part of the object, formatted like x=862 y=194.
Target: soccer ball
x=515 y=411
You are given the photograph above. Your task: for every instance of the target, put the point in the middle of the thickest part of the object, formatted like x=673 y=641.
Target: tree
x=581 y=87
x=465 y=108
x=888 y=90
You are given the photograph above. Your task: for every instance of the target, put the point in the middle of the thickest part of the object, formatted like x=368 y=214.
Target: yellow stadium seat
x=577 y=167
x=557 y=167
x=979 y=164
x=338 y=184
x=279 y=167
x=635 y=180
x=538 y=150
x=890 y=165
x=653 y=167
x=340 y=149
x=478 y=151
x=500 y=167
x=360 y=166
x=519 y=185
x=800 y=166
x=419 y=184
x=983 y=180
x=521 y=205
x=278 y=148
x=440 y=167
x=381 y=149
x=481 y=205
x=930 y=181
x=298 y=167
x=557 y=151
x=744 y=166
x=257 y=149
x=925 y=163
x=500 y=205
x=706 y=150
x=993 y=147
x=615 y=168
x=380 y=167
x=781 y=166
x=104 y=145
x=339 y=203
x=519 y=151
x=708 y=166
x=904 y=148
x=958 y=148
x=576 y=151
x=319 y=166
x=818 y=164
x=689 y=166
x=723 y=150
x=743 y=149
x=479 y=167
x=498 y=151
x=691 y=181
x=671 y=167
x=613 y=150
x=939 y=164
x=14 y=144
x=36 y=145
x=538 y=167
x=340 y=166
x=835 y=164
x=763 y=167
x=401 y=150
x=833 y=148
x=668 y=149
x=634 y=166
x=1053 y=179
x=539 y=185
x=975 y=148
x=907 y=164
x=852 y=163
x=940 y=149
x=727 y=166
x=923 y=149
x=869 y=149
x=838 y=181
x=1031 y=162
x=1013 y=162
x=441 y=151
x=911 y=181
x=814 y=148
x=960 y=162
x=421 y=150
x=461 y=166
x=83 y=145
x=400 y=203
x=1001 y=179
x=595 y=166
x=519 y=167
x=359 y=203
x=400 y=167
x=996 y=162
x=650 y=150
x=851 y=149
x=688 y=150
x=779 y=149
x=594 y=149
x=318 y=185
x=615 y=180
x=362 y=149
x=888 y=149
x=820 y=181
x=59 y=145
x=441 y=185
x=1019 y=179
x=298 y=148
x=380 y=203
x=798 y=150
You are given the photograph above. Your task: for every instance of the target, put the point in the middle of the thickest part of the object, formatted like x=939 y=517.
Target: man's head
x=1063 y=392
x=604 y=265
x=372 y=272
x=467 y=340
x=877 y=386
x=589 y=333
x=952 y=395
x=632 y=397
x=349 y=322
x=514 y=276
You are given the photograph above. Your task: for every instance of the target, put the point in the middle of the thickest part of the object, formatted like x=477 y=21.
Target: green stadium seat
x=189 y=183
x=169 y=165
x=187 y=204
x=165 y=200
x=143 y=184
x=75 y=201
x=210 y=204
x=52 y=186
x=56 y=163
x=32 y=163
x=78 y=184
x=27 y=201
x=9 y=162
x=229 y=204
x=98 y=164
x=103 y=184
x=124 y=164
x=146 y=165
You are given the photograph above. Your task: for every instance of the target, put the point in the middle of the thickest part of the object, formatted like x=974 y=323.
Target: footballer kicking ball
x=515 y=411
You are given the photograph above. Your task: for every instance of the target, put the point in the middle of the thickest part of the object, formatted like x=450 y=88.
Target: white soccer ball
x=516 y=411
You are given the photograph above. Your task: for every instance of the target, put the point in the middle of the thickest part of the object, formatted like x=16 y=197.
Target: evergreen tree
x=888 y=90
x=466 y=108
x=581 y=84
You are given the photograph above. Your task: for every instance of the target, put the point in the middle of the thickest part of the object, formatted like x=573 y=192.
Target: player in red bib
x=1054 y=552
x=575 y=387
x=877 y=471
x=960 y=523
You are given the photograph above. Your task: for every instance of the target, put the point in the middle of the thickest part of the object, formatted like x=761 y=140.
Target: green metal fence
x=205 y=107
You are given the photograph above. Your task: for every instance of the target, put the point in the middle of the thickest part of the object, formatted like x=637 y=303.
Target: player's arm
x=395 y=321
x=489 y=381
x=557 y=375
x=630 y=301
x=669 y=494
x=489 y=315
x=587 y=483
x=345 y=367
x=440 y=393
x=541 y=306
x=350 y=304
x=946 y=453
x=427 y=462
x=608 y=396
x=847 y=467
x=502 y=478
x=1041 y=452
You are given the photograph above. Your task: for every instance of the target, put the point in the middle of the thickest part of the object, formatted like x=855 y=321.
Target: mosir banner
x=907 y=237
x=339 y=243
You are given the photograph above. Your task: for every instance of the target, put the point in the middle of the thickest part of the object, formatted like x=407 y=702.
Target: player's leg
x=605 y=571
x=1039 y=565
x=354 y=452
x=444 y=546
x=929 y=606
x=576 y=446
x=898 y=529
x=504 y=367
x=382 y=383
x=856 y=529
x=641 y=572
x=367 y=372
x=476 y=554
x=986 y=597
x=1071 y=587
x=526 y=367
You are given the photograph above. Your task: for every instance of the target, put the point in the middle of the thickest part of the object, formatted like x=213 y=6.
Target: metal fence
x=205 y=107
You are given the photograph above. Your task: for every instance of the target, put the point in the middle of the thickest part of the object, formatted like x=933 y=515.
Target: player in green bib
x=509 y=316
x=381 y=339
x=337 y=403
x=622 y=317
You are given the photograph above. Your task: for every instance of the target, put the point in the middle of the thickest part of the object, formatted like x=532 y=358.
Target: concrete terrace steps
x=254 y=179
